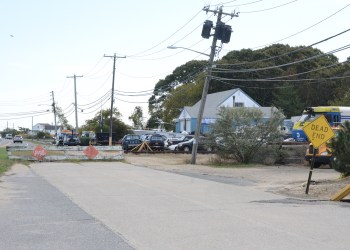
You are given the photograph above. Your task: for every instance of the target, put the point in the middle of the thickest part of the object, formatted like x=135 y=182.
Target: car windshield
x=308 y=117
x=156 y=138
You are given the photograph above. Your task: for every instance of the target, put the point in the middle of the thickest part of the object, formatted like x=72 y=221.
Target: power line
x=297 y=33
x=272 y=8
x=221 y=70
x=142 y=52
x=291 y=52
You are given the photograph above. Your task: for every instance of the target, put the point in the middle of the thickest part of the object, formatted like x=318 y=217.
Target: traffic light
x=223 y=32
x=207 y=26
x=226 y=34
x=219 y=30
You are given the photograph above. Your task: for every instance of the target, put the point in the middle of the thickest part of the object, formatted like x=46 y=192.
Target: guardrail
x=61 y=153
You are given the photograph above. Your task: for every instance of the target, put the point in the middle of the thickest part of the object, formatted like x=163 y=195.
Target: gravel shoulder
x=289 y=180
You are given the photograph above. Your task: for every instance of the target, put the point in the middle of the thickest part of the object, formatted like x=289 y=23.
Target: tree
x=182 y=75
x=62 y=119
x=118 y=126
x=137 y=117
x=243 y=131
x=287 y=99
x=184 y=95
x=341 y=150
x=24 y=130
x=290 y=78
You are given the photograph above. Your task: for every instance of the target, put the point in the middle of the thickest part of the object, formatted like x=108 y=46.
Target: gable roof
x=213 y=102
x=215 y=99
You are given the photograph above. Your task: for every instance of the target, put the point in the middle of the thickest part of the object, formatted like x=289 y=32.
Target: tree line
x=289 y=78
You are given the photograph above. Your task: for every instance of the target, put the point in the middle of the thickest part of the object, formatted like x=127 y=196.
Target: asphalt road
x=115 y=206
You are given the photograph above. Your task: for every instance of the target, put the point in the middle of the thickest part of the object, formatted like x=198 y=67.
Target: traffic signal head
x=207 y=26
x=226 y=34
x=223 y=32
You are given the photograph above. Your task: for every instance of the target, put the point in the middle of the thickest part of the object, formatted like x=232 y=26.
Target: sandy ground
x=289 y=180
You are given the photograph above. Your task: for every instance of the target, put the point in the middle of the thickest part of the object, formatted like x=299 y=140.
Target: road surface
x=114 y=205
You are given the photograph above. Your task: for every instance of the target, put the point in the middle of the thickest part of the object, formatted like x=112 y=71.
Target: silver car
x=18 y=138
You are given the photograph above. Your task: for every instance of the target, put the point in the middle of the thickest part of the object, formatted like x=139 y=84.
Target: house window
x=239 y=104
x=233 y=101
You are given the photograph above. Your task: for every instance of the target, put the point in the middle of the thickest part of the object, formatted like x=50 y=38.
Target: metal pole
x=310 y=173
x=204 y=94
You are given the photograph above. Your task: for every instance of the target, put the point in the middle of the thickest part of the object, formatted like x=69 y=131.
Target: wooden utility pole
x=112 y=99
x=206 y=83
x=75 y=98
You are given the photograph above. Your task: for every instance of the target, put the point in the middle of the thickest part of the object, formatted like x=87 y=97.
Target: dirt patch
x=289 y=179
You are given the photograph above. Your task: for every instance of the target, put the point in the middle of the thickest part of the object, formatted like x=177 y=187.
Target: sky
x=44 y=43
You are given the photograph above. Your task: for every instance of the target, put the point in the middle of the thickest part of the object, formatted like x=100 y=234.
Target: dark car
x=72 y=142
x=204 y=145
x=156 y=142
x=130 y=141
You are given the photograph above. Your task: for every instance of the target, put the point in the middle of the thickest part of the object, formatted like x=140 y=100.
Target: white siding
x=239 y=97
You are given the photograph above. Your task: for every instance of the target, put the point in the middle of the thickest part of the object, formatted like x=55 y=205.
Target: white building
x=44 y=127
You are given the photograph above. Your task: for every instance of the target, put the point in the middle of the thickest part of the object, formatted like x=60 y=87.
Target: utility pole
x=208 y=77
x=112 y=99
x=54 y=111
x=75 y=97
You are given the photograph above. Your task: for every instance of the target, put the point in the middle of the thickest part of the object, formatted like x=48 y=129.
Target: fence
x=60 y=153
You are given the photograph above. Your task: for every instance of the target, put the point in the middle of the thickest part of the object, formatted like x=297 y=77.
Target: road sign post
x=318 y=132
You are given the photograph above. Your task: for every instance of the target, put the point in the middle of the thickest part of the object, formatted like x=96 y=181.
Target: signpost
x=318 y=132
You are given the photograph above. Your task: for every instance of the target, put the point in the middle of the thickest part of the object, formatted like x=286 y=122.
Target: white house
x=230 y=98
x=44 y=127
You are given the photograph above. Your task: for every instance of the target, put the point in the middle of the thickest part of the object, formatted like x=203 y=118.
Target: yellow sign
x=319 y=131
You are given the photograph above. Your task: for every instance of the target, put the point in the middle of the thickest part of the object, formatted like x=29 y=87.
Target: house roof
x=214 y=101
x=211 y=104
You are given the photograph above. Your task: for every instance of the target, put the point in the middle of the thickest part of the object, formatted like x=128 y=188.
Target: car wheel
x=187 y=149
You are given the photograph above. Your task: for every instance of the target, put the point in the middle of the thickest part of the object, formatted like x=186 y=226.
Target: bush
x=242 y=133
x=84 y=141
x=341 y=150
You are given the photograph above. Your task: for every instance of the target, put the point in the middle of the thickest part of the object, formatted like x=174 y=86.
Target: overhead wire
x=262 y=10
x=222 y=70
x=309 y=27
x=142 y=52
x=290 y=52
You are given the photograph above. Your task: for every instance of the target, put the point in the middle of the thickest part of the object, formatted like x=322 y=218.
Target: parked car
x=157 y=142
x=130 y=141
x=177 y=140
x=203 y=145
x=8 y=136
x=72 y=142
x=18 y=138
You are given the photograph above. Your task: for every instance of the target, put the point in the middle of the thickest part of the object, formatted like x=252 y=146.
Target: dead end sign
x=319 y=131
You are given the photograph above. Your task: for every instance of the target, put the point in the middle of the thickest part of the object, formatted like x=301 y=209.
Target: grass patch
x=5 y=163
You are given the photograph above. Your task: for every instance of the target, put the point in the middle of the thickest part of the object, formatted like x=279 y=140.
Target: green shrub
x=243 y=132
x=341 y=150
x=84 y=141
